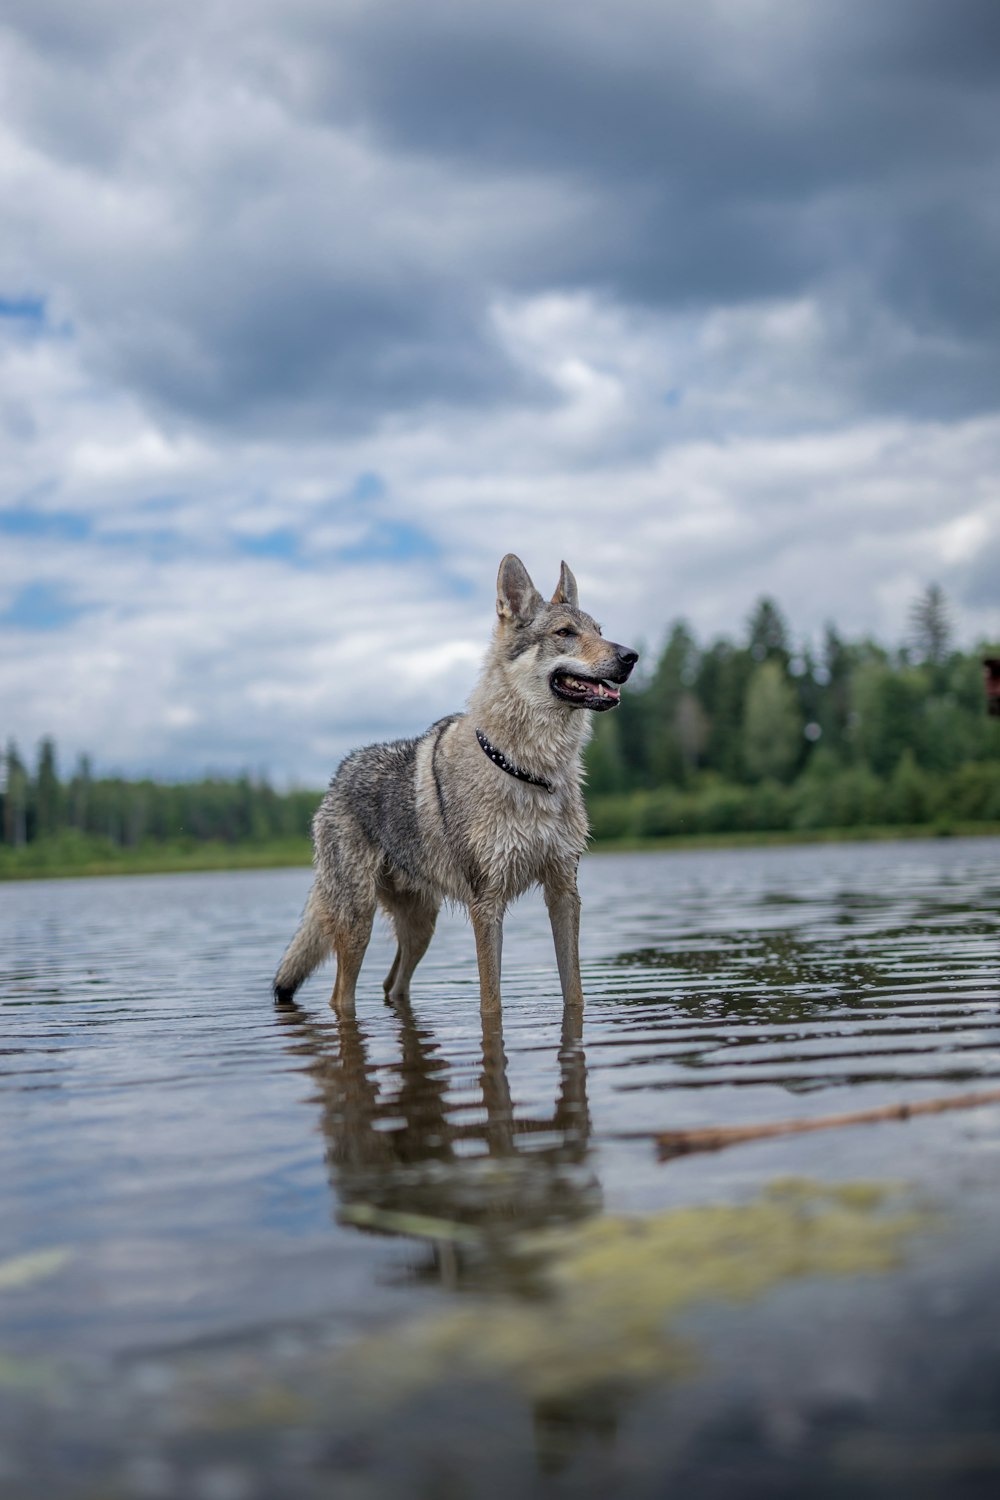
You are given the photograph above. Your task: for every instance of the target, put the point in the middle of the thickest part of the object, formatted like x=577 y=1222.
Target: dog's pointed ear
x=517 y=597
x=566 y=590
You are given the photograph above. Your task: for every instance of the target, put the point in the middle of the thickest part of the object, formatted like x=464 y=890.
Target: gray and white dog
x=475 y=811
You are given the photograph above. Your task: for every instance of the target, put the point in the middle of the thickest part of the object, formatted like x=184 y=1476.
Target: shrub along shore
x=825 y=801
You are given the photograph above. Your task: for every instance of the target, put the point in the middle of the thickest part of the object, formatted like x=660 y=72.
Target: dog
x=475 y=811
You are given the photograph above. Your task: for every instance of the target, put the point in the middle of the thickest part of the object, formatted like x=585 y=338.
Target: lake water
x=248 y=1252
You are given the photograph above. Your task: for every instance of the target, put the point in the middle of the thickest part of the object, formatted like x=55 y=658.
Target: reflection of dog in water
x=405 y=1160
x=483 y=806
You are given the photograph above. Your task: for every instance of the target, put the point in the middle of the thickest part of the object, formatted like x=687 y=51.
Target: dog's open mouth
x=585 y=692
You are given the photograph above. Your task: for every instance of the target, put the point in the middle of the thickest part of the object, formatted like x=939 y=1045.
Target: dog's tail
x=307 y=950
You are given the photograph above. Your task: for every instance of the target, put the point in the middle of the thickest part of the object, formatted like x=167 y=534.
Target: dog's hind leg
x=350 y=944
x=346 y=862
x=413 y=918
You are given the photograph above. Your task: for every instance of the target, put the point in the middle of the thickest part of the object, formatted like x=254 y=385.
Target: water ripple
x=203 y=1157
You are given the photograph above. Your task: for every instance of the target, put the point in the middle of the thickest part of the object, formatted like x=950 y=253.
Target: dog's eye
x=566 y=630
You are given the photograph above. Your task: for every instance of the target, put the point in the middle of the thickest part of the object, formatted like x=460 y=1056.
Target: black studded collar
x=499 y=759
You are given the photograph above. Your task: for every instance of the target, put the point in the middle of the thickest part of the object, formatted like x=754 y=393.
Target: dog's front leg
x=487 y=924
x=563 y=901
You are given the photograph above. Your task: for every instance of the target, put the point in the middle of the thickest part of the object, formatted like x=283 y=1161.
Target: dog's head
x=557 y=643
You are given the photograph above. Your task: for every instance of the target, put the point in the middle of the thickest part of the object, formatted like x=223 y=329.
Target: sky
x=311 y=311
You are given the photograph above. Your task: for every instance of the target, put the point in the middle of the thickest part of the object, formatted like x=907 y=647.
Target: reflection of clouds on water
x=407 y=1155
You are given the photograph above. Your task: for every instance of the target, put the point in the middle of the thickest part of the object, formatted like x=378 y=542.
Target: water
x=248 y=1252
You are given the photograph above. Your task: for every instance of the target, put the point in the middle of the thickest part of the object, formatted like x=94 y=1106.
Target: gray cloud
x=301 y=215
x=701 y=298
x=737 y=150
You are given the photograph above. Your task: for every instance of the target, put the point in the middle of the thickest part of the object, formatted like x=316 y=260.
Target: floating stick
x=671 y=1143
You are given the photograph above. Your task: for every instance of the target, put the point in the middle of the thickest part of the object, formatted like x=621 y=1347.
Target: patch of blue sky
x=62 y=525
x=23 y=309
x=158 y=542
x=458 y=586
x=282 y=544
x=41 y=606
x=392 y=541
x=29 y=318
x=160 y=503
x=368 y=486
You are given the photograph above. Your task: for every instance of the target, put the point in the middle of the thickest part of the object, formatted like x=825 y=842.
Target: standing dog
x=482 y=806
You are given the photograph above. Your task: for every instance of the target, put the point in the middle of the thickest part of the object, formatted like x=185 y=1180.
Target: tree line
x=35 y=804
x=760 y=733
x=752 y=734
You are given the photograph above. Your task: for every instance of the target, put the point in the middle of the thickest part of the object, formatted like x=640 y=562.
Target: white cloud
x=303 y=377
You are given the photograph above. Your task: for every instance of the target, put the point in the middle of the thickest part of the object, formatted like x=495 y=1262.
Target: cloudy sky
x=312 y=309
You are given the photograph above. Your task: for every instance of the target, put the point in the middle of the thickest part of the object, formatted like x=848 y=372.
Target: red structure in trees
x=991 y=673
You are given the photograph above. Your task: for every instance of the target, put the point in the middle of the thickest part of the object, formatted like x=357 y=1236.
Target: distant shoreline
x=881 y=833
x=36 y=862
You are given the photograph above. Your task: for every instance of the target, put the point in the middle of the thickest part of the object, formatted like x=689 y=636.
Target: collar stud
x=499 y=759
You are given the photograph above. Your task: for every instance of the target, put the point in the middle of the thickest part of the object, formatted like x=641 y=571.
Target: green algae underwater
x=564 y=1333
x=600 y=1300
x=591 y=1315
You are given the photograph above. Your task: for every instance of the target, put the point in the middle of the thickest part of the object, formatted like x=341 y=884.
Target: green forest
x=756 y=737
x=738 y=739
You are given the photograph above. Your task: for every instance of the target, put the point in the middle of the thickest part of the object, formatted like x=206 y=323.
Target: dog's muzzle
x=596 y=693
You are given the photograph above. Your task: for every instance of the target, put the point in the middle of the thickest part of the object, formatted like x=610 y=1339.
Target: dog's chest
x=519 y=837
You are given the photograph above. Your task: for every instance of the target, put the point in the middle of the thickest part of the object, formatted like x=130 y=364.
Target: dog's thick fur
x=413 y=823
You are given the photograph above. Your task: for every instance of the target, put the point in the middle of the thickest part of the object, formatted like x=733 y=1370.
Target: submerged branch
x=670 y=1143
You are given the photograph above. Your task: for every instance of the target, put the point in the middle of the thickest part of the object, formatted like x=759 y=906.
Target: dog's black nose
x=627 y=658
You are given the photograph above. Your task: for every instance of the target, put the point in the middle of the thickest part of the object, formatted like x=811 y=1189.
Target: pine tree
x=48 y=792
x=15 y=806
x=79 y=794
x=605 y=767
x=930 y=625
x=772 y=725
x=723 y=674
x=767 y=633
x=691 y=728
x=667 y=757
